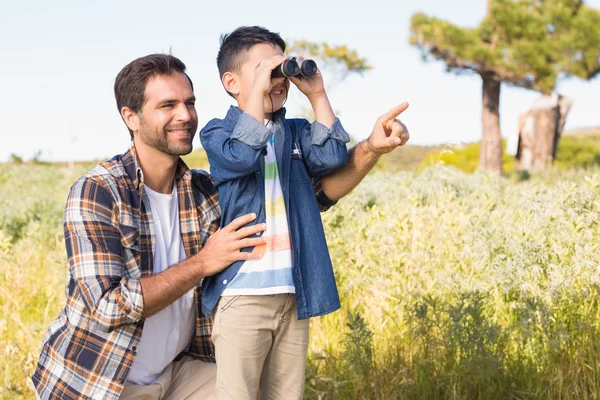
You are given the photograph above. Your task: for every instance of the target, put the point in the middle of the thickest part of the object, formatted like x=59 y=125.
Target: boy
x=263 y=163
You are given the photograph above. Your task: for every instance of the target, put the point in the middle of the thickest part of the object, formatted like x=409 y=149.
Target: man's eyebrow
x=167 y=101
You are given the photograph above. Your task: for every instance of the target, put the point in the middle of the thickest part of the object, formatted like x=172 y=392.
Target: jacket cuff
x=320 y=132
x=251 y=132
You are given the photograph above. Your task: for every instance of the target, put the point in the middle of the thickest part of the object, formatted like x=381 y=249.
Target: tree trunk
x=490 y=154
x=540 y=132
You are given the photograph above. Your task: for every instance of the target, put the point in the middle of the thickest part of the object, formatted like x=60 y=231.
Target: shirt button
x=224 y=281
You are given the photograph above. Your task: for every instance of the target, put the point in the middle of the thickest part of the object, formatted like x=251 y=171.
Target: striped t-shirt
x=272 y=274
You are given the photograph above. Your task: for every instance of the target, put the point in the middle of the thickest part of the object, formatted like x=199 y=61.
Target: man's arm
x=388 y=134
x=221 y=250
x=93 y=240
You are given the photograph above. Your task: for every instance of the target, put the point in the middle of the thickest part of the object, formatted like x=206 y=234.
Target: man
x=141 y=233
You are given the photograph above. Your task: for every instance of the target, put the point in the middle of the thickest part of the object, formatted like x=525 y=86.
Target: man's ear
x=230 y=83
x=131 y=118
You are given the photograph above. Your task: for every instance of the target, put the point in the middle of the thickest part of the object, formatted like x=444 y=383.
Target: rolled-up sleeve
x=234 y=151
x=248 y=130
x=324 y=149
x=320 y=133
x=95 y=256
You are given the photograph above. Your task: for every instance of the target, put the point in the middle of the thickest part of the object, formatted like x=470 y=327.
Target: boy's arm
x=323 y=149
x=388 y=134
x=234 y=153
x=323 y=143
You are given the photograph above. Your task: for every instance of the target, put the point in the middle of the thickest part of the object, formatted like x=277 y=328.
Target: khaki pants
x=260 y=344
x=184 y=379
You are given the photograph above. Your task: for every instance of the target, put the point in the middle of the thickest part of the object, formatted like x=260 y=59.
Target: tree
x=525 y=43
x=340 y=61
x=336 y=63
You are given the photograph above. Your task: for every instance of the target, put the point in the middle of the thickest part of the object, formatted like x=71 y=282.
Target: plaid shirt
x=109 y=235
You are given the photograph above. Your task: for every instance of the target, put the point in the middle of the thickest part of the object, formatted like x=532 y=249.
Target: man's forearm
x=339 y=183
x=160 y=290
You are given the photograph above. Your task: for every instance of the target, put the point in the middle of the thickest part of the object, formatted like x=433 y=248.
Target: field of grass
x=453 y=285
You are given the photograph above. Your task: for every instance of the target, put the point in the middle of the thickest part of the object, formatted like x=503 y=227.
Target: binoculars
x=292 y=67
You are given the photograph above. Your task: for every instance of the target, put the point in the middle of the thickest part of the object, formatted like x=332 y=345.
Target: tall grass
x=453 y=286
x=470 y=286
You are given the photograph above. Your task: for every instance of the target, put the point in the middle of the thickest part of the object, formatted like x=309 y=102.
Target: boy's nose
x=277 y=81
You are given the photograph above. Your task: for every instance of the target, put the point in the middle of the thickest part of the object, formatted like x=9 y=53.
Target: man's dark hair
x=235 y=46
x=130 y=84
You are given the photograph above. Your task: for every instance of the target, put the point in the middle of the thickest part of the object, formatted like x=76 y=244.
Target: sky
x=59 y=59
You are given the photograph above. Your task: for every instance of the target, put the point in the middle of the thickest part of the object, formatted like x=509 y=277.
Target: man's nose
x=184 y=113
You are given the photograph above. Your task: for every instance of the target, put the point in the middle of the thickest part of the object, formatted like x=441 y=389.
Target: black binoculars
x=292 y=67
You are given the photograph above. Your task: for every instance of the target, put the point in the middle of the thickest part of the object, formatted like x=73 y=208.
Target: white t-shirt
x=167 y=332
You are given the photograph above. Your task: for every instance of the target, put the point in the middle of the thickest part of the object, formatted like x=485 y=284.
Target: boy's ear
x=230 y=83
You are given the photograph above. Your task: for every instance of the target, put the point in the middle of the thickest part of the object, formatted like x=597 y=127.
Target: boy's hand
x=262 y=78
x=310 y=87
x=388 y=132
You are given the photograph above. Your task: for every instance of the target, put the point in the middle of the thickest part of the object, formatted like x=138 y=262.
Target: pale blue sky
x=60 y=58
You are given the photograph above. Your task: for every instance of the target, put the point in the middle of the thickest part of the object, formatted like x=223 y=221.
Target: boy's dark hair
x=235 y=46
x=130 y=84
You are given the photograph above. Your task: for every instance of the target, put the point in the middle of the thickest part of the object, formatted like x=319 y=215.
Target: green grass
x=453 y=285
x=470 y=287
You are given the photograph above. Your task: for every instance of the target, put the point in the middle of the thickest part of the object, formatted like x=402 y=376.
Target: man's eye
x=169 y=105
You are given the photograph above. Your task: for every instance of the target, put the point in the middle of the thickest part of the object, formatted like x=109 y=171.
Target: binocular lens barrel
x=291 y=67
x=308 y=67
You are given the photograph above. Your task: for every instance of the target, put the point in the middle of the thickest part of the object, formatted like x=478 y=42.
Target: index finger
x=239 y=222
x=394 y=112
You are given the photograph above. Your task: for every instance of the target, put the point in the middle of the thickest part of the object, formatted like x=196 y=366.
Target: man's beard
x=158 y=139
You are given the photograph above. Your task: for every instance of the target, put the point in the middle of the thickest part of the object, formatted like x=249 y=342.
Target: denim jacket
x=235 y=147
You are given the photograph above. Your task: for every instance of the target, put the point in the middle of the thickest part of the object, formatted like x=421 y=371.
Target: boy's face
x=279 y=86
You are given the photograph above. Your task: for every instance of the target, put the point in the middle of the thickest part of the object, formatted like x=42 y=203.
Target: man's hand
x=223 y=247
x=388 y=132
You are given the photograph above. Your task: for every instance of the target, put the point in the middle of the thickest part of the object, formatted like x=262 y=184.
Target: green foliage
x=526 y=43
x=453 y=285
x=37 y=159
x=465 y=158
x=16 y=159
x=573 y=151
x=473 y=286
x=33 y=266
x=331 y=56
x=197 y=159
x=581 y=151
x=358 y=347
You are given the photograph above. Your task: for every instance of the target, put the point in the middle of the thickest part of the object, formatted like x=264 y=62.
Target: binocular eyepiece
x=292 y=67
